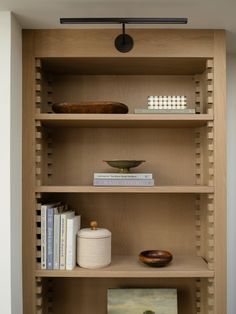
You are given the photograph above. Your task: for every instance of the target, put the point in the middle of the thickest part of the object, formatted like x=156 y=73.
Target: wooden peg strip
x=210 y=301
x=38 y=254
x=38 y=76
x=39 y=289
x=38 y=279
x=211 y=159
x=38 y=87
x=38 y=195
x=38 y=99
x=209 y=63
x=38 y=159
x=210 y=296
x=198 y=295
x=211 y=242
x=38 y=124
x=210 y=87
x=38 y=243
x=210 y=196
x=211 y=219
x=210 y=146
x=210 y=76
x=38 y=147
x=38 y=63
x=211 y=172
x=210 y=99
x=198 y=98
x=210 y=111
x=210 y=231
x=210 y=289
x=38 y=182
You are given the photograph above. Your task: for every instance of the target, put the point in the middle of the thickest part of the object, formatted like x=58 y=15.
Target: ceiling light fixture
x=124 y=42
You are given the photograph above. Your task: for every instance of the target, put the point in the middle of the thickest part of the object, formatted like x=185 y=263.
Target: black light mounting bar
x=124 y=42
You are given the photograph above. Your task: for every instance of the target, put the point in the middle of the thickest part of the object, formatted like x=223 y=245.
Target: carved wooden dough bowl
x=90 y=107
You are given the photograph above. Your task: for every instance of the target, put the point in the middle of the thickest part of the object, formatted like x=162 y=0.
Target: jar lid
x=94 y=232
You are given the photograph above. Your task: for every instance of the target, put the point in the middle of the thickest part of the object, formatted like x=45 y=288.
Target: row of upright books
x=123 y=179
x=59 y=227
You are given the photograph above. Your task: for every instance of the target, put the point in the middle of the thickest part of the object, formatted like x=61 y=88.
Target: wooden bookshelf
x=130 y=267
x=123 y=189
x=185 y=212
x=124 y=121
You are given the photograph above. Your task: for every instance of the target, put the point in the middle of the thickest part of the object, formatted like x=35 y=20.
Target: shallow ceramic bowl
x=156 y=258
x=124 y=165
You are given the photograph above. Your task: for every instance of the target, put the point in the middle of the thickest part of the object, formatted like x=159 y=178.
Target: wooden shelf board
x=124 y=120
x=124 y=189
x=130 y=267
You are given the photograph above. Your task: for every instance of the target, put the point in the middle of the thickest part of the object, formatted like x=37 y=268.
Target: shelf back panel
x=78 y=153
x=86 y=296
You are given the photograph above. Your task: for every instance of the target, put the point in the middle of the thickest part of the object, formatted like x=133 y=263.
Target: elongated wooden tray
x=90 y=107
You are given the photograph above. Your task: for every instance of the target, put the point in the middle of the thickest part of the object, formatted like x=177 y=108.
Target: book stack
x=166 y=104
x=59 y=227
x=123 y=179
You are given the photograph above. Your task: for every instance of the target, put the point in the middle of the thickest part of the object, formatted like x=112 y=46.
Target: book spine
x=50 y=216
x=62 y=241
x=122 y=176
x=43 y=237
x=73 y=226
x=124 y=182
x=69 y=244
x=56 y=242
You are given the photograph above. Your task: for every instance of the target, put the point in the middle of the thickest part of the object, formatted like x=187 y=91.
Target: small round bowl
x=124 y=165
x=156 y=258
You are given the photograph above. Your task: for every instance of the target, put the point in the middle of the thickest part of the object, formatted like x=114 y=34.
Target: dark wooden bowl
x=90 y=107
x=156 y=258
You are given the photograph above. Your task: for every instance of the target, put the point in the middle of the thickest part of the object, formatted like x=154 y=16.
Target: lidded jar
x=93 y=247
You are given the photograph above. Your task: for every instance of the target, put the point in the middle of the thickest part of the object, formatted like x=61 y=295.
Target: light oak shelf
x=124 y=120
x=130 y=267
x=118 y=189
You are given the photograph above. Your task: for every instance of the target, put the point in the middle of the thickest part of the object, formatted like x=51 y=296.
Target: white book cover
x=44 y=208
x=43 y=237
x=63 y=227
x=73 y=226
x=122 y=175
x=56 y=242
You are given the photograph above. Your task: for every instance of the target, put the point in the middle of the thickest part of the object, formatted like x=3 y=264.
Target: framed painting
x=142 y=301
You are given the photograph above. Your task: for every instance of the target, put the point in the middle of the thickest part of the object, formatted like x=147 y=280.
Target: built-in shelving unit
x=183 y=213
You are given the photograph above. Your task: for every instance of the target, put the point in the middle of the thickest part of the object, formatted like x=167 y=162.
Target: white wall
x=10 y=165
x=231 y=86
x=16 y=167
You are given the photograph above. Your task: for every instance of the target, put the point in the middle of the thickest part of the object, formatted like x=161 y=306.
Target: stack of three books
x=123 y=179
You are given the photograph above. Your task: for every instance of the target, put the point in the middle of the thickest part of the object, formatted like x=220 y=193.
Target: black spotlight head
x=124 y=43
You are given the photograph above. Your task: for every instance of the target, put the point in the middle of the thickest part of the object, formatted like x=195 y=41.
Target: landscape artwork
x=142 y=301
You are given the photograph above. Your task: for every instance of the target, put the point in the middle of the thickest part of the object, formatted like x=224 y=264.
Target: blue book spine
x=50 y=223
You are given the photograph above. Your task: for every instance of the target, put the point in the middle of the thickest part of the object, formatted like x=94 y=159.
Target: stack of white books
x=123 y=179
x=58 y=237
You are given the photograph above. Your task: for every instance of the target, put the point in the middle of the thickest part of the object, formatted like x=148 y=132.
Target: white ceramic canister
x=93 y=247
